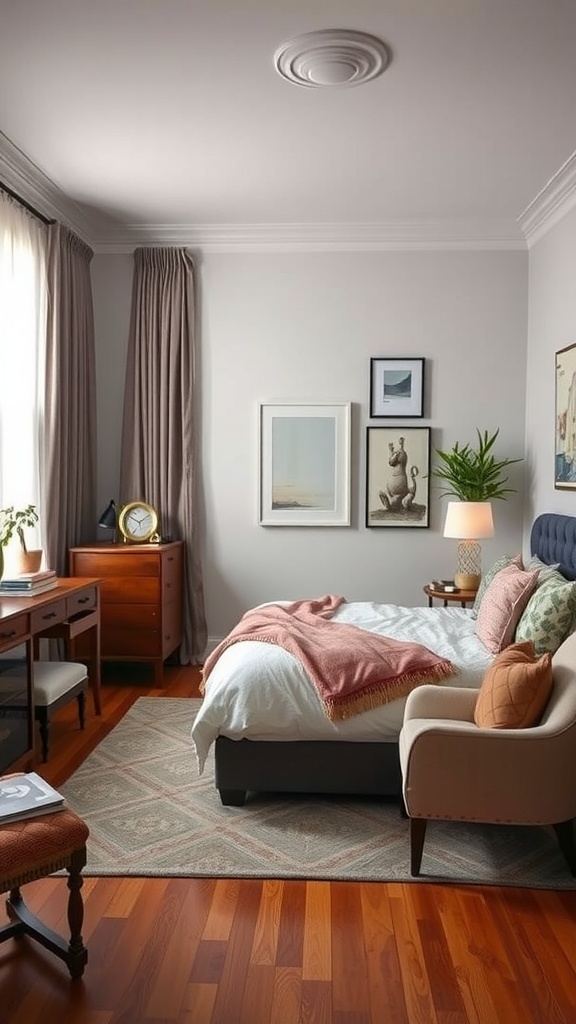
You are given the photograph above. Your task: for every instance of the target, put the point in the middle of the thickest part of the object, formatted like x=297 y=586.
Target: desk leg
x=89 y=651
x=95 y=672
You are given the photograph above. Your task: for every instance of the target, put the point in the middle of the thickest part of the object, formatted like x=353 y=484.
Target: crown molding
x=26 y=179
x=309 y=237
x=551 y=204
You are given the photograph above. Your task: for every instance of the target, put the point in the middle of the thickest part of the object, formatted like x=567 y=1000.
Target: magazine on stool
x=25 y=795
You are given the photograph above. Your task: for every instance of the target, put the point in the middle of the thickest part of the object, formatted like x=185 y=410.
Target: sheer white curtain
x=23 y=242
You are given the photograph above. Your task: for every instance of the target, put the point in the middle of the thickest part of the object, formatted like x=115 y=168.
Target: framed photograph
x=565 y=429
x=398 y=476
x=305 y=464
x=396 y=388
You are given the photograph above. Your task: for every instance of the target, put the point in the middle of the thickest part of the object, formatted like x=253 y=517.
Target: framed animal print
x=398 y=476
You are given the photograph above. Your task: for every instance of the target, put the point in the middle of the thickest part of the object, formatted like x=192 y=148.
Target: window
x=22 y=347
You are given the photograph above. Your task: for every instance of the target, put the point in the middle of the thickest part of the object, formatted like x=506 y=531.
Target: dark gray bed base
x=359 y=768
x=305 y=767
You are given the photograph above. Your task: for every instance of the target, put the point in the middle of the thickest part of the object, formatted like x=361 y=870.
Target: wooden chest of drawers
x=141 y=599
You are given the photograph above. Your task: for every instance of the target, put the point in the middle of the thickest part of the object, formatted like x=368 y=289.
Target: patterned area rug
x=150 y=813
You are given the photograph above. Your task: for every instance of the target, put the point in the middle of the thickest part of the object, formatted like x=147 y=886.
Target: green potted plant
x=474 y=474
x=14 y=521
x=475 y=478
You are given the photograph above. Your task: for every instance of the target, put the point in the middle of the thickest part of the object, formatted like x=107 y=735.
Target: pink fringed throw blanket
x=352 y=669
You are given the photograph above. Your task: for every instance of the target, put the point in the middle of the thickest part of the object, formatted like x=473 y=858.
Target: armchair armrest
x=455 y=703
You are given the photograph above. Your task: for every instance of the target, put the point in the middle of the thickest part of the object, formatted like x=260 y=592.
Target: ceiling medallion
x=331 y=58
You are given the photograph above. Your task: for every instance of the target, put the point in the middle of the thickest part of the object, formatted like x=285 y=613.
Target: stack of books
x=27 y=584
x=25 y=795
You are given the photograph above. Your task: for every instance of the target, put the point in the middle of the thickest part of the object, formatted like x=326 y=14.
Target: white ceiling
x=163 y=115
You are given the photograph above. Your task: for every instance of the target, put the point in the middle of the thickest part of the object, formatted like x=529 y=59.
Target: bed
x=269 y=727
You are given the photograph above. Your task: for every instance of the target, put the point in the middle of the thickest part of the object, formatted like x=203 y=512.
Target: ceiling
x=163 y=116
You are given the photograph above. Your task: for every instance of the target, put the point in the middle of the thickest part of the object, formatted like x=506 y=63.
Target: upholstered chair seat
x=55 y=683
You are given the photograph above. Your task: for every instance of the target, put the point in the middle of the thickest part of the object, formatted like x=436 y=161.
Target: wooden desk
x=71 y=608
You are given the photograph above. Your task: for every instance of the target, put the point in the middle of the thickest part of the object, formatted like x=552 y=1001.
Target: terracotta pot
x=28 y=561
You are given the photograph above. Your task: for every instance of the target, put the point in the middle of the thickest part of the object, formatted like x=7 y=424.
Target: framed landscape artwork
x=304 y=464
x=396 y=388
x=565 y=429
x=398 y=476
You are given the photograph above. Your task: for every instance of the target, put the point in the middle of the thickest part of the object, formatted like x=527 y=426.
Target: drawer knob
x=8 y=636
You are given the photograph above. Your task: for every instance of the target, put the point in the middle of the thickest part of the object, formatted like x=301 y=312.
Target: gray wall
x=304 y=326
x=551 y=326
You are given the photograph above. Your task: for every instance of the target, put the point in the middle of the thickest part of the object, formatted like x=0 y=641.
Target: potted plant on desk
x=13 y=521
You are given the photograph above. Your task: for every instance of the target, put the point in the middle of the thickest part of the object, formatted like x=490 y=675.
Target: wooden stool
x=33 y=848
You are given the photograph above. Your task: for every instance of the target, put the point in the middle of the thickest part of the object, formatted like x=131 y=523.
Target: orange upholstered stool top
x=33 y=847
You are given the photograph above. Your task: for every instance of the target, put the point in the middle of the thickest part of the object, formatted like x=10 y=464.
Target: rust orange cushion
x=515 y=689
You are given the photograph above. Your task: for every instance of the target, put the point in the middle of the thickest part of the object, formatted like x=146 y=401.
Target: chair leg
x=81 y=700
x=565 y=834
x=44 y=725
x=417 y=836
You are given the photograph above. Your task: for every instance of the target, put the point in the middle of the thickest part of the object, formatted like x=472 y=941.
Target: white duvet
x=259 y=691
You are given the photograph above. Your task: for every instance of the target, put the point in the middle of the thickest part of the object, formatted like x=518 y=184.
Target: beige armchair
x=451 y=769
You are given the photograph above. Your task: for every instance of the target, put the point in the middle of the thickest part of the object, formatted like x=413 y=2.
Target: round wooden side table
x=461 y=597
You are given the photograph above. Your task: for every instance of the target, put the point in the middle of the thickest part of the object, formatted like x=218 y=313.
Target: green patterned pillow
x=545 y=571
x=489 y=575
x=549 y=614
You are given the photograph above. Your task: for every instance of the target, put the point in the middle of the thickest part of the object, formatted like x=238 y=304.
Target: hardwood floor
x=215 y=951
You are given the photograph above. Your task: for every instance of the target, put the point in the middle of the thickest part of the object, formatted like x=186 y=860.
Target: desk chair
x=55 y=683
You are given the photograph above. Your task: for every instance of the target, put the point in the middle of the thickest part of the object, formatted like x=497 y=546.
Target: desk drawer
x=81 y=602
x=13 y=631
x=48 y=616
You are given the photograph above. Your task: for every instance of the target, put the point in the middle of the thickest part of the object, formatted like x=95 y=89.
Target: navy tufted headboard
x=553 y=539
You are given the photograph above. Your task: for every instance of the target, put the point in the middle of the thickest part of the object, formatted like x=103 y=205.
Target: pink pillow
x=502 y=605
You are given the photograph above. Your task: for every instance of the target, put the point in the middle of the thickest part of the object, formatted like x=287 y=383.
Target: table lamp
x=469 y=522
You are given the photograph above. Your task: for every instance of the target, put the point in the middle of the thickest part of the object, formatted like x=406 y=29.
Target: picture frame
x=304 y=463
x=396 y=388
x=398 y=477
x=565 y=421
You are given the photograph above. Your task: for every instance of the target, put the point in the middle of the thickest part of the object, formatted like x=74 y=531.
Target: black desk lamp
x=108 y=519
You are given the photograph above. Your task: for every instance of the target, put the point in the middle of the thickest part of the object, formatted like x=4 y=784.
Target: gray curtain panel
x=68 y=463
x=159 y=441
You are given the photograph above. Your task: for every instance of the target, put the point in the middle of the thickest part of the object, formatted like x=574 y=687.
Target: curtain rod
x=28 y=206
